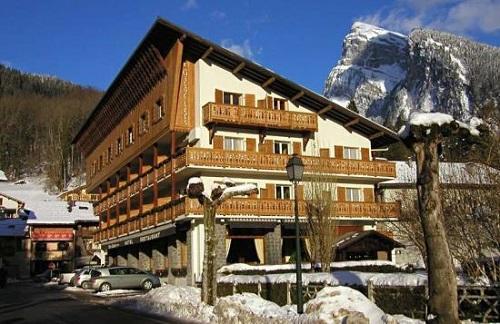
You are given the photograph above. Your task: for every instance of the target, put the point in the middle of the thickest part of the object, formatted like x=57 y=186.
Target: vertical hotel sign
x=52 y=234
x=185 y=106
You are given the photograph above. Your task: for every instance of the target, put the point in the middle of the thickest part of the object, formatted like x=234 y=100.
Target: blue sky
x=87 y=42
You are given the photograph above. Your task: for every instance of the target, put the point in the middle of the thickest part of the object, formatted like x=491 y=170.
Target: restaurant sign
x=139 y=239
x=52 y=234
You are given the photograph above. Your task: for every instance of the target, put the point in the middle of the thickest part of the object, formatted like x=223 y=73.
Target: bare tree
x=210 y=203
x=322 y=225
x=424 y=134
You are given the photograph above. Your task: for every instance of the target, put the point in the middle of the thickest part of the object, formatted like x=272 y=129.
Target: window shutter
x=339 y=152
x=263 y=193
x=324 y=153
x=269 y=102
x=341 y=194
x=300 y=192
x=218 y=96
x=251 y=143
x=249 y=100
x=365 y=154
x=266 y=147
x=261 y=103
x=368 y=193
x=271 y=190
x=218 y=142
x=297 y=148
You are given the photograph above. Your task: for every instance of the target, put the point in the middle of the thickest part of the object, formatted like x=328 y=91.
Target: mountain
x=38 y=117
x=388 y=75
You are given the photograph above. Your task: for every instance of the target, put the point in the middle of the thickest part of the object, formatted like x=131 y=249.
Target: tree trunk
x=209 y=284
x=442 y=303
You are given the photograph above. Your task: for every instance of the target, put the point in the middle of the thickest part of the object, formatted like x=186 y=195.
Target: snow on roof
x=3 y=177
x=449 y=173
x=44 y=208
x=12 y=227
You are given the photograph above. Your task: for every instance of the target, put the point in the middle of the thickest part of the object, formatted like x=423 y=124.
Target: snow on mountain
x=390 y=75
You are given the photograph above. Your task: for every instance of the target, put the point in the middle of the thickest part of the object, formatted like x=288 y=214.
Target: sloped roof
x=164 y=33
x=449 y=173
x=351 y=238
x=44 y=208
x=13 y=227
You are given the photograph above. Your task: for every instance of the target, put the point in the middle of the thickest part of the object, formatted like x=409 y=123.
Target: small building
x=57 y=233
x=366 y=245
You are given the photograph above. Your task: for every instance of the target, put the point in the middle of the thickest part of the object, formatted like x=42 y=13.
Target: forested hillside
x=38 y=117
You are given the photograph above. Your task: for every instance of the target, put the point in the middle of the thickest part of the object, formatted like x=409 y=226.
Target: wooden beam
x=297 y=96
x=268 y=82
x=324 y=110
x=376 y=135
x=207 y=53
x=352 y=122
x=239 y=67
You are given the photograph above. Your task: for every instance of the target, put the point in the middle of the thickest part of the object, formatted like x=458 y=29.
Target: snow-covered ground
x=332 y=305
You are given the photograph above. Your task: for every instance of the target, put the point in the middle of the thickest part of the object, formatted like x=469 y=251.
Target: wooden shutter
x=261 y=103
x=218 y=142
x=219 y=96
x=368 y=195
x=266 y=147
x=324 y=153
x=269 y=102
x=339 y=152
x=263 y=193
x=297 y=148
x=250 y=100
x=300 y=192
x=251 y=143
x=341 y=194
x=365 y=154
x=271 y=190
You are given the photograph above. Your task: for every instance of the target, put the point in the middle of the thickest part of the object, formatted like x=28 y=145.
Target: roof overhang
x=163 y=34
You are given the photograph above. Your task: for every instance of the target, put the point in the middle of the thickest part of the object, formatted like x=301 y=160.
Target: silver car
x=105 y=279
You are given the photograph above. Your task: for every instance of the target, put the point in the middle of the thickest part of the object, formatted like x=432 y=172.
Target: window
x=353 y=194
x=281 y=147
x=119 y=145
x=110 y=150
x=231 y=98
x=279 y=104
x=159 y=109
x=130 y=135
x=100 y=162
x=233 y=144
x=143 y=123
x=283 y=192
x=351 y=153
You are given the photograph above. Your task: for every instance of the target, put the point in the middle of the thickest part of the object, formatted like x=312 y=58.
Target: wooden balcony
x=281 y=207
x=262 y=161
x=230 y=115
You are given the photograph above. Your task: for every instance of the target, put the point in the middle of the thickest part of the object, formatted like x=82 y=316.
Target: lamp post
x=295 y=171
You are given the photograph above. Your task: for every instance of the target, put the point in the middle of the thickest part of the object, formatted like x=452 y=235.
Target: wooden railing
x=263 y=161
x=259 y=117
x=281 y=207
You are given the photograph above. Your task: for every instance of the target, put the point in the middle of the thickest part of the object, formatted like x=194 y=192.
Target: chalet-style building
x=183 y=106
x=39 y=230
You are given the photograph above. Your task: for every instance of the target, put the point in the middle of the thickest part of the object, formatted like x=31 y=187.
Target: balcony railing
x=259 y=117
x=281 y=207
x=262 y=161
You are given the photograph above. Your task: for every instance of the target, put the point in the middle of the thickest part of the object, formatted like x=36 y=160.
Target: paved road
x=31 y=303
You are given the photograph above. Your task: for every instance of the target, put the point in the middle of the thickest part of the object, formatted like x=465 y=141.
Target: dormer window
x=159 y=109
x=119 y=145
x=143 y=123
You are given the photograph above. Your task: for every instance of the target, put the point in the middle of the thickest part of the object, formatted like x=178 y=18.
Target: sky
x=88 y=42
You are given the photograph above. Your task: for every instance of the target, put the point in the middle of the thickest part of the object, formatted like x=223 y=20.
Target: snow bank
x=118 y=292
x=342 y=305
x=280 y=267
x=250 y=308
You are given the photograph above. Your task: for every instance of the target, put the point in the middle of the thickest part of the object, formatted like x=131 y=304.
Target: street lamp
x=295 y=170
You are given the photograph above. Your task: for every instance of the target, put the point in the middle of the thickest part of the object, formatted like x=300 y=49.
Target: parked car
x=105 y=279
x=47 y=275
x=82 y=278
x=67 y=277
